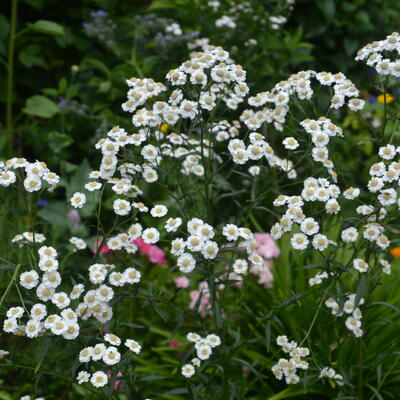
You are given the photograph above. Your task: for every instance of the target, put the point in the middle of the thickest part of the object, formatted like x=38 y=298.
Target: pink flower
x=264 y=274
x=75 y=218
x=182 y=282
x=266 y=246
x=101 y=244
x=175 y=343
x=201 y=299
x=118 y=383
x=156 y=255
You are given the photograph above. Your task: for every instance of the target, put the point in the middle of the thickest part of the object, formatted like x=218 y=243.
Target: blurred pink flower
x=118 y=383
x=75 y=218
x=101 y=244
x=204 y=303
x=175 y=343
x=156 y=255
x=182 y=282
x=266 y=246
x=264 y=274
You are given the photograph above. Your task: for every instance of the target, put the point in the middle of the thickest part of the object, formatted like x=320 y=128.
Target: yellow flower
x=395 y=252
x=381 y=98
x=163 y=128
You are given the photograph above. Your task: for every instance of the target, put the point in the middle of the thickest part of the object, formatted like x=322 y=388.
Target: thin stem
x=13 y=279
x=10 y=77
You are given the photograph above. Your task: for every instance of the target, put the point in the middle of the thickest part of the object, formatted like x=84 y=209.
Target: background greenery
x=61 y=90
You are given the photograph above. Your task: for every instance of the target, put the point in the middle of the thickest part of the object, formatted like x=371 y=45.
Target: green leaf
x=40 y=106
x=62 y=85
x=327 y=7
x=161 y=4
x=47 y=27
x=58 y=141
x=56 y=214
x=29 y=56
x=104 y=87
x=92 y=63
x=5 y=396
x=4 y=26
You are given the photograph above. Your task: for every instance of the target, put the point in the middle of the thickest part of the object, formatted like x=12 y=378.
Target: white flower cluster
x=353 y=322
x=225 y=21
x=28 y=237
x=199 y=240
x=321 y=131
x=95 y=301
x=174 y=29
x=3 y=353
x=277 y=21
x=330 y=373
x=299 y=85
x=108 y=355
x=258 y=149
x=320 y=190
x=383 y=55
x=37 y=175
x=204 y=348
x=27 y=397
x=78 y=243
x=288 y=367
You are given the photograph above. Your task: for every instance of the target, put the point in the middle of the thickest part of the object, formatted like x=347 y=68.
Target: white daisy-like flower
x=150 y=235
x=188 y=370
x=78 y=200
x=159 y=211
x=99 y=379
x=360 y=265
x=83 y=377
x=133 y=346
x=186 y=263
x=290 y=143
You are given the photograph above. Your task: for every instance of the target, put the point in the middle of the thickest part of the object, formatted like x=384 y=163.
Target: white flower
x=173 y=224
x=112 y=339
x=240 y=266
x=99 y=379
x=349 y=235
x=38 y=311
x=61 y=300
x=92 y=186
x=360 y=265
x=15 y=312
x=78 y=200
x=188 y=370
x=299 y=241
x=150 y=235
x=193 y=337
x=209 y=249
x=290 y=143
x=204 y=352
x=29 y=279
x=121 y=207
x=32 y=183
x=98 y=351
x=132 y=275
x=33 y=328
x=213 y=340
x=186 y=263
x=83 y=377
x=387 y=152
x=309 y=226
x=85 y=354
x=133 y=345
x=111 y=356
x=231 y=232
x=320 y=242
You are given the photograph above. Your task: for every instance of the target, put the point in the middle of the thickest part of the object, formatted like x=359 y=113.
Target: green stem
x=10 y=78
x=13 y=279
